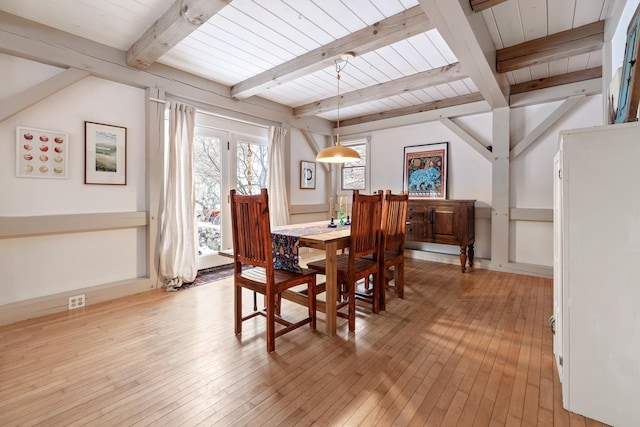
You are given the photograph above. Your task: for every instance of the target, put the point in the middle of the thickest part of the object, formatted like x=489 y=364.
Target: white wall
x=532 y=175
x=45 y=265
x=469 y=174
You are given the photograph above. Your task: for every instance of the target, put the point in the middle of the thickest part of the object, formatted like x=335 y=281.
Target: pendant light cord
x=338 y=70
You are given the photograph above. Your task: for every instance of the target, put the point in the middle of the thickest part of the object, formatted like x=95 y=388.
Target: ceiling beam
x=556 y=93
x=466 y=137
x=545 y=125
x=434 y=77
x=312 y=144
x=430 y=106
x=36 y=42
x=561 y=79
x=467 y=36
x=398 y=27
x=181 y=19
x=480 y=5
x=564 y=44
x=382 y=122
x=28 y=97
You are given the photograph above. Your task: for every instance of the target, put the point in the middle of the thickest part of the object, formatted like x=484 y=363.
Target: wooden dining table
x=330 y=241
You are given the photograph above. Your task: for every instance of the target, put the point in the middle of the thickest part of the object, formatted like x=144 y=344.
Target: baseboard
x=42 y=306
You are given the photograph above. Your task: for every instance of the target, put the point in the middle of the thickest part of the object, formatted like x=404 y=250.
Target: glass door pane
x=252 y=167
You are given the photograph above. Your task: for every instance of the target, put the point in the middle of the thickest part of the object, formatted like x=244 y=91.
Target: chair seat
x=259 y=275
x=363 y=267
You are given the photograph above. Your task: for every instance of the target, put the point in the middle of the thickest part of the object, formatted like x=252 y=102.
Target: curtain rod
x=220 y=116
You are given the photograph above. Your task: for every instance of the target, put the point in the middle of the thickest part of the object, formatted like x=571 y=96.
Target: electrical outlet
x=76 y=301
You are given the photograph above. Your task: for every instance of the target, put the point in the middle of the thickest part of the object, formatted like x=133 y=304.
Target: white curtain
x=278 y=201
x=178 y=240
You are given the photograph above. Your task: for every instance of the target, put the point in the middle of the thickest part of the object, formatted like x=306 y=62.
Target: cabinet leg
x=463 y=258
x=470 y=252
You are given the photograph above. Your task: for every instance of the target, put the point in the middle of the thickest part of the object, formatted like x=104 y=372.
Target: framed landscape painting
x=425 y=170
x=105 y=154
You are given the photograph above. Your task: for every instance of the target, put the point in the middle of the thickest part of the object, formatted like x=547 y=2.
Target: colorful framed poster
x=105 y=154
x=41 y=153
x=425 y=170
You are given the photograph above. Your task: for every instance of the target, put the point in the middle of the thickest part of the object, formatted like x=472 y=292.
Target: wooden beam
x=407 y=84
x=312 y=143
x=544 y=126
x=562 y=79
x=468 y=37
x=480 y=5
x=564 y=44
x=36 y=42
x=181 y=19
x=461 y=109
x=464 y=135
x=398 y=27
x=556 y=93
x=28 y=97
x=430 y=106
x=500 y=189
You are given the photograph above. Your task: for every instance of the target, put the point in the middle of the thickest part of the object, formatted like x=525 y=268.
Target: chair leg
x=271 y=322
x=312 y=302
x=237 y=308
x=278 y=304
x=352 y=306
x=399 y=278
x=377 y=287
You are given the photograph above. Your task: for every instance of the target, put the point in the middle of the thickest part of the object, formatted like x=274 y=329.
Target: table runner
x=285 y=245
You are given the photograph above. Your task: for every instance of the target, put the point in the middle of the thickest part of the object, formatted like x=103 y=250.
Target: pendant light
x=338 y=153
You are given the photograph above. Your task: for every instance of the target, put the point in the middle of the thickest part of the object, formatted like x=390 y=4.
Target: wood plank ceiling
x=410 y=55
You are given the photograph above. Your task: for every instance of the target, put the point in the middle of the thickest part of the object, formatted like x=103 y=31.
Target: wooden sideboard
x=449 y=222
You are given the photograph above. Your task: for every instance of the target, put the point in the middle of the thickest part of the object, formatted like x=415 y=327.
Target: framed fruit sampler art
x=41 y=153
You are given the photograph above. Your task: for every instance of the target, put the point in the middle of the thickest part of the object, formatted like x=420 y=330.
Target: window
x=354 y=174
x=207 y=181
x=253 y=165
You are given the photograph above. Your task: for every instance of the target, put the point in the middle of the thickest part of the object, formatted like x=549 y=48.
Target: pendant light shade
x=338 y=153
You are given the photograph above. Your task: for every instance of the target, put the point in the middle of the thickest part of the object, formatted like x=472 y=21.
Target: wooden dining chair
x=252 y=246
x=366 y=216
x=394 y=230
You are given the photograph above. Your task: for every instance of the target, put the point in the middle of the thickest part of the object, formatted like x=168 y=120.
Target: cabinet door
x=443 y=224
x=416 y=220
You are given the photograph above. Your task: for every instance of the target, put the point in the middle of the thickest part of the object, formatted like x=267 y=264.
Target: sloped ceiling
x=409 y=55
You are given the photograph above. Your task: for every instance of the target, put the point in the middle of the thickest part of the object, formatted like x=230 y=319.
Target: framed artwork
x=105 y=159
x=629 y=95
x=307 y=175
x=41 y=153
x=425 y=170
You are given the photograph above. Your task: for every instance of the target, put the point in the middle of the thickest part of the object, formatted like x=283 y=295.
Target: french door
x=223 y=160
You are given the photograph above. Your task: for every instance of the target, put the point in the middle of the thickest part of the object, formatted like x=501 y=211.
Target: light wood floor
x=468 y=349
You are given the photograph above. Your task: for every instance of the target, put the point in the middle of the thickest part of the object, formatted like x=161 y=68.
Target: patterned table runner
x=286 y=242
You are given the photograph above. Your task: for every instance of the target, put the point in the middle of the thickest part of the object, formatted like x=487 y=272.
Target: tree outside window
x=354 y=173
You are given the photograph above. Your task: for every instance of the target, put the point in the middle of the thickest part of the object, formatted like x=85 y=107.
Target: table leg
x=331 y=292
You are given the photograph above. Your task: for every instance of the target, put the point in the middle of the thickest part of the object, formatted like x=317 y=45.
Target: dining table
x=317 y=235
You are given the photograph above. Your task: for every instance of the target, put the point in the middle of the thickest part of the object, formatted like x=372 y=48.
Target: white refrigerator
x=597 y=272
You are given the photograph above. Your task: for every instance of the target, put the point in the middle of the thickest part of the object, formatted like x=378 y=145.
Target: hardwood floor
x=469 y=349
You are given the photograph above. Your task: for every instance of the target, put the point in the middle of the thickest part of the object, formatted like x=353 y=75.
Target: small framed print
x=307 y=175
x=105 y=154
x=41 y=153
